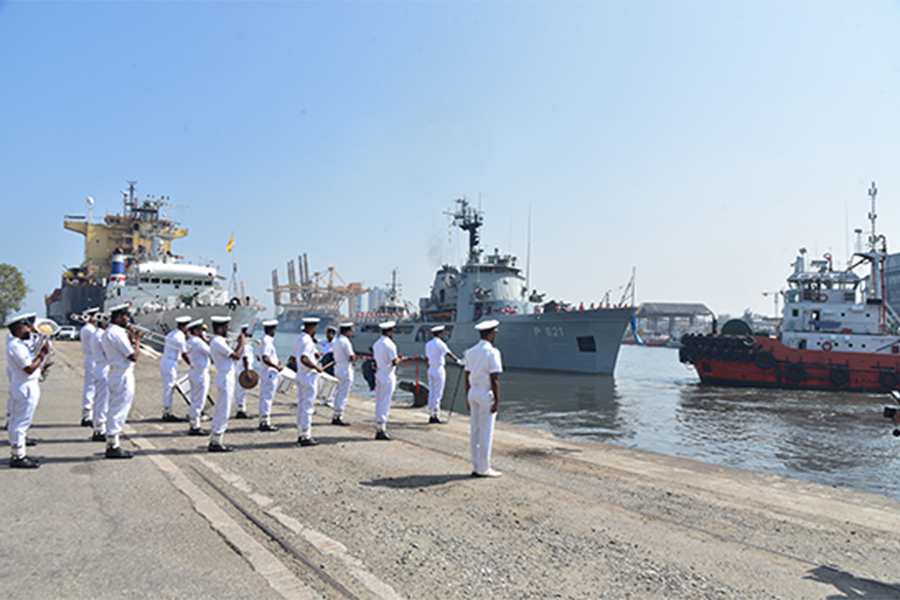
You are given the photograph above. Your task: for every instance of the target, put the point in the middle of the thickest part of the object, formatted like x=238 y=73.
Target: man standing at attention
x=270 y=370
x=342 y=350
x=101 y=381
x=307 y=377
x=435 y=351
x=483 y=368
x=87 y=393
x=240 y=392
x=224 y=356
x=198 y=354
x=122 y=349
x=24 y=390
x=386 y=361
x=176 y=347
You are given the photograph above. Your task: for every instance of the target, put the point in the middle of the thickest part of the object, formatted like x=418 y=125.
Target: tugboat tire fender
x=794 y=372
x=764 y=360
x=889 y=379
x=839 y=375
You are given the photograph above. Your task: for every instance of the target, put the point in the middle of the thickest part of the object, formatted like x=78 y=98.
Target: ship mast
x=468 y=219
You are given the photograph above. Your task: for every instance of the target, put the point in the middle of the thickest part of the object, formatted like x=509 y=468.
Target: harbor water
x=655 y=403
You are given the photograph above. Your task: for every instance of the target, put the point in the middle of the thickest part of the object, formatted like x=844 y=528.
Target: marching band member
x=101 y=380
x=122 y=348
x=240 y=392
x=175 y=348
x=198 y=355
x=386 y=361
x=270 y=369
x=24 y=368
x=436 y=350
x=307 y=376
x=483 y=368
x=224 y=356
x=344 y=357
x=88 y=391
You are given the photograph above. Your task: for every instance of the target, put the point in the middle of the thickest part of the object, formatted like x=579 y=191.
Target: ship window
x=198 y=282
x=176 y=282
x=586 y=344
x=895 y=349
x=207 y=282
x=802 y=345
x=154 y=280
x=145 y=280
x=166 y=281
x=796 y=313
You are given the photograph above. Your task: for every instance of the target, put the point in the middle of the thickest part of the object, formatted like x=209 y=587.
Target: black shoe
x=170 y=418
x=241 y=415
x=98 y=437
x=23 y=463
x=307 y=441
x=85 y=422
x=436 y=421
x=383 y=435
x=30 y=441
x=340 y=421
x=197 y=431
x=117 y=453
x=267 y=427
x=217 y=447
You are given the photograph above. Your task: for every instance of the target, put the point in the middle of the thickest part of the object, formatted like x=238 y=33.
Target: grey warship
x=533 y=335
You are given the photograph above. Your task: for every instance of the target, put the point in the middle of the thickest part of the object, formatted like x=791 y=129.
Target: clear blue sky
x=701 y=142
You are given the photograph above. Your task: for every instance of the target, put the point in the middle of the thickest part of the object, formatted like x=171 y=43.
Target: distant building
x=673 y=319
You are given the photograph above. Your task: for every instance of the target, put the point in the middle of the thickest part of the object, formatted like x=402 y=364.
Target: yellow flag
x=230 y=243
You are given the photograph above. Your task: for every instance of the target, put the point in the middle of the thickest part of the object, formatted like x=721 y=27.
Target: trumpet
x=154 y=336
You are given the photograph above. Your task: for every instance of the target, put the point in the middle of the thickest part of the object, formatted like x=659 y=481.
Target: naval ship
x=532 y=335
x=128 y=259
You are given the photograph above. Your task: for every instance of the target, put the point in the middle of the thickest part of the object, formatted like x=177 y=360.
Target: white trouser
x=437 y=377
x=344 y=374
x=121 y=394
x=199 y=379
x=9 y=392
x=168 y=370
x=481 y=432
x=87 y=394
x=101 y=396
x=306 y=399
x=224 y=398
x=240 y=395
x=25 y=396
x=268 y=383
x=385 y=382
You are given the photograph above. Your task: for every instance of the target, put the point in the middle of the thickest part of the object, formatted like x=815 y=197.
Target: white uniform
x=24 y=391
x=240 y=392
x=88 y=391
x=220 y=352
x=436 y=350
x=306 y=383
x=482 y=359
x=342 y=350
x=101 y=381
x=198 y=353
x=385 y=352
x=175 y=346
x=268 y=377
x=118 y=348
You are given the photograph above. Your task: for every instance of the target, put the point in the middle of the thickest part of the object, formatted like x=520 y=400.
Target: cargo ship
x=837 y=331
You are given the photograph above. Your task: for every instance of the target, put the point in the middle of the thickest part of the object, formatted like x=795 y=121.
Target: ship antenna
x=873 y=191
x=528 y=255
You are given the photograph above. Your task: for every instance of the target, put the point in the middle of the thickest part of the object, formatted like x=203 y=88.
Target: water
x=656 y=403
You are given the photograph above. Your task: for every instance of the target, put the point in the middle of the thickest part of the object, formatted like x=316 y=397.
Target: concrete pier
x=404 y=519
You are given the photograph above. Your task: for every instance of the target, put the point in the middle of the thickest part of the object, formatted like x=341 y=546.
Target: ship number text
x=549 y=331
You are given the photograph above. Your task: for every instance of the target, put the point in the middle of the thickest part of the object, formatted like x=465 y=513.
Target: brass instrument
x=46 y=329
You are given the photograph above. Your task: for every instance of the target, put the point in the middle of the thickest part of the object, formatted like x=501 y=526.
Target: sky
x=698 y=143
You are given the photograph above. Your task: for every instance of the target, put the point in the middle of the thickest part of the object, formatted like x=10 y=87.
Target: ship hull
x=584 y=341
x=766 y=362
x=164 y=321
x=73 y=299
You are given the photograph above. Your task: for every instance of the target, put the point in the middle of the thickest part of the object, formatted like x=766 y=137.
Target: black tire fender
x=764 y=360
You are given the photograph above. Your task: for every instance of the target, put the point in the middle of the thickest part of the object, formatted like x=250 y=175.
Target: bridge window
x=586 y=344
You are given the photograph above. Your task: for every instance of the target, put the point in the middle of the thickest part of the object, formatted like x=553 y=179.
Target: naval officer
x=175 y=348
x=308 y=370
x=88 y=391
x=344 y=357
x=436 y=350
x=386 y=360
x=24 y=369
x=225 y=357
x=483 y=368
x=269 y=372
x=198 y=354
x=240 y=392
x=101 y=380
x=122 y=348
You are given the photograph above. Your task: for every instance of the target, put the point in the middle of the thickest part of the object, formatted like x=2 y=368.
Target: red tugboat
x=834 y=333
